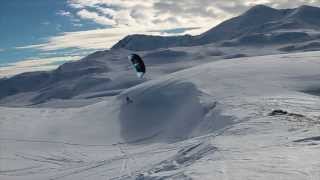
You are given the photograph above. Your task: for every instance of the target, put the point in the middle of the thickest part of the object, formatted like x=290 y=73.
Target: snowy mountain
x=106 y=73
x=260 y=31
x=238 y=119
x=214 y=106
x=259 y=25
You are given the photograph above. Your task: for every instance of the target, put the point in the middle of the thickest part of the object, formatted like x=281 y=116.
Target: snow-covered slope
x=246 y=118
x=107 y=73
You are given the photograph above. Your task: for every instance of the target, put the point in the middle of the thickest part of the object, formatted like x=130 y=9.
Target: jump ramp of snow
x=169 y=112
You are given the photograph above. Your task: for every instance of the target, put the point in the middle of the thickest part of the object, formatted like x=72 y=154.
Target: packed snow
x=234 y=119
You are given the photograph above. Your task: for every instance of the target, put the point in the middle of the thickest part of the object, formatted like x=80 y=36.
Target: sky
x=42 y=34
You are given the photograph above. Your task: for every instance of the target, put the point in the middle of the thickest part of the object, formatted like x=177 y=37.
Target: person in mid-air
x=139 y=67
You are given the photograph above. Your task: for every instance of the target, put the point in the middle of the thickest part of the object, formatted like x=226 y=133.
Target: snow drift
x=169 y=112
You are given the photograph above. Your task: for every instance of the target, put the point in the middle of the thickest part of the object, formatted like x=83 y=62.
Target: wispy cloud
x=64 y=13
x=85 y=14
x=35 y=64
x=99 y=39
x=32 y=46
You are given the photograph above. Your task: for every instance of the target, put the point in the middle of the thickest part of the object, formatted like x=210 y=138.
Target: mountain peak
x=260 y=6
x=307 y=7
x=307 y=14
x=139 y=42
x=261 y=9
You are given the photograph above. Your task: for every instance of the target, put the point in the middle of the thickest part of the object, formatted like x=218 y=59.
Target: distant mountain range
x=259 y=25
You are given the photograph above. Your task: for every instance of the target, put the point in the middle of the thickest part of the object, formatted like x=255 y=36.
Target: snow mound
x=169 y=112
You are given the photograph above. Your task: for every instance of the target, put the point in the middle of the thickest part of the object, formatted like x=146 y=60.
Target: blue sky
x=41 y=34
x=31 y=22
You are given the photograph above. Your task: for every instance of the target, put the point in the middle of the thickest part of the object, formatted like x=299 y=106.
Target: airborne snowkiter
x=138 y=64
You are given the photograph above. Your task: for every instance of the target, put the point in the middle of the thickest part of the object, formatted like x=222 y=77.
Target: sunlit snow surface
x=209 y=122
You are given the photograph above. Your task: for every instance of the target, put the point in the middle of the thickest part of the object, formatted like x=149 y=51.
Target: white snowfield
x=239 y=119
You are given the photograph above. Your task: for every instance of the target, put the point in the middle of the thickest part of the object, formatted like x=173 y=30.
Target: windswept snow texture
x=209 y=122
